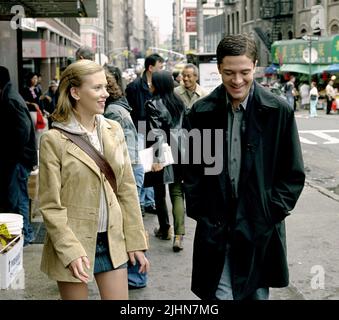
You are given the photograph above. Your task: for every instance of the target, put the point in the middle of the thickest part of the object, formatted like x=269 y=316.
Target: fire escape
x=277 y=12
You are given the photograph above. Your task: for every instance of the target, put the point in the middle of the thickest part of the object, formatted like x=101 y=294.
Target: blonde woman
x=92 y=231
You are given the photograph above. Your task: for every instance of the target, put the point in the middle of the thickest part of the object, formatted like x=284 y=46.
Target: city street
x=320 y=139
x=312 y=238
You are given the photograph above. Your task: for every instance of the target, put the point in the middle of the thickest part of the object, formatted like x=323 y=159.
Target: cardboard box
x=11 y=261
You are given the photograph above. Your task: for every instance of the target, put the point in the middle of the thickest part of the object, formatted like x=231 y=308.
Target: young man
x=189 y=90
x=19 y=153
x=240 y=201
x=137 y=93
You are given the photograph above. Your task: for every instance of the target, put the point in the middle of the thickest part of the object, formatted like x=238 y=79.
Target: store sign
x=191 y=19
x=209 y=76
x=292 y=51
x=310 y=56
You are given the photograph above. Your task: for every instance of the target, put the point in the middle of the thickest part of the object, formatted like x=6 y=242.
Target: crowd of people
x=308 y=97
x=94 y=192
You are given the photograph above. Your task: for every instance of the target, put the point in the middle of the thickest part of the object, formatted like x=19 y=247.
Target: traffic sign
x=310 y=38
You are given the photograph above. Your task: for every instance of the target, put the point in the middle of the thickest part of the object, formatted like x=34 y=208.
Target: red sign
x=191 y=19
x=94 y=42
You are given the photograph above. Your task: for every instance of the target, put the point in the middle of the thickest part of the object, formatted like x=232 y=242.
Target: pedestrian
x=304 y=91
x=290 y=92
x=50 y=99
x=165 y=112
x=93 y=219
x=241 y=200
x=330 y=96
x=137 y=93
x=177 y=78
x=19 y=153
x=34 y=100
x=314 y=96
x=189 y=90
x=32 y=93
x=118 y=109
x=84 y=52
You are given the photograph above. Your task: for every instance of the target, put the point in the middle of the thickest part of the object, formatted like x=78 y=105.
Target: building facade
x=266 y=20
x=48 y=49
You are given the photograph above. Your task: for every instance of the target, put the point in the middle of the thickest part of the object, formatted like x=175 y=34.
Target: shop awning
x=304 y=68
x=333 y=68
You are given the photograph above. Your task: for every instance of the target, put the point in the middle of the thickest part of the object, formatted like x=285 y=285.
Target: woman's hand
x=157 y=167
x=141 y=258
x=77 y=268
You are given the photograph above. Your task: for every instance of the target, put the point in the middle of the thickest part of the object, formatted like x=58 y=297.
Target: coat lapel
x=256 y=117
x=109 y=141
x=81 y=155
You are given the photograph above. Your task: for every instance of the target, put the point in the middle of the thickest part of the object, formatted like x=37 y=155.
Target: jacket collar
x=109 y=144
x=198 y=90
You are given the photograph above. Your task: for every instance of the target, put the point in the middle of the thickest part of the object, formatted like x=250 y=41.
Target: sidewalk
x=312 y=237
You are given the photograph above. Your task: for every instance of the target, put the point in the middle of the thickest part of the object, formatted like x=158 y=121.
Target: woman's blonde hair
x=72 y=76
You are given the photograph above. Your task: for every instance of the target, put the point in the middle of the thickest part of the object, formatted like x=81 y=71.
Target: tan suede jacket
x=69 y=195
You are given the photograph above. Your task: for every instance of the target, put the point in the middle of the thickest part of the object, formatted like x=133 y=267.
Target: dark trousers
x=161 y=206
x=329 y=105
x=18 y=200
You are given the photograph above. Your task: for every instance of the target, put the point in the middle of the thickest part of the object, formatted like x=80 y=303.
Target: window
x=335 y=29
x=305 y=4
x=193 y=42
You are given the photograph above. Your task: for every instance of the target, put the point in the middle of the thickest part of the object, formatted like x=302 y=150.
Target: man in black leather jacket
x=19 y=152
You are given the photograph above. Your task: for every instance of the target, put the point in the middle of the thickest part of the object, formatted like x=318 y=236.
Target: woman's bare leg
x=113 y=285
x=73 y=290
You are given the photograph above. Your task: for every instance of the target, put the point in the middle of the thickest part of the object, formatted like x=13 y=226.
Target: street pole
x=309 y=61
x=200 y=25
x=310 y=55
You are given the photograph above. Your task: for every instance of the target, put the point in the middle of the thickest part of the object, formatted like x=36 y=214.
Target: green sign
x=291 y=51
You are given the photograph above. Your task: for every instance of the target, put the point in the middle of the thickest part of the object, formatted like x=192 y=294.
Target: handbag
x=146 y=157
x=334 y=105
x=38 y=118
x=99 y=159
x=313 y=97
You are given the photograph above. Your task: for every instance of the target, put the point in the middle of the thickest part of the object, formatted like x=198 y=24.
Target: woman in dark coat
x=32 y=93
x=165 y=113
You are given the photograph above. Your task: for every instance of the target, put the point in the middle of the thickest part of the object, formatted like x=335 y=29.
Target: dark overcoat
x=271 y=180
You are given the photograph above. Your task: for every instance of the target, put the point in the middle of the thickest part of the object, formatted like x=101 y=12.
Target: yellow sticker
x=4 y=234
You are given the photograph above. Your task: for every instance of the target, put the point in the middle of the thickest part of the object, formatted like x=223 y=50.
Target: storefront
x=11 y=13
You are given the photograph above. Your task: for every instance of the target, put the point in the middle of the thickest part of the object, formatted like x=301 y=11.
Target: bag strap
x=99 y=159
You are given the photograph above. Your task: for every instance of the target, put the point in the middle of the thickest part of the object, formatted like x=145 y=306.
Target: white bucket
x=13 y=221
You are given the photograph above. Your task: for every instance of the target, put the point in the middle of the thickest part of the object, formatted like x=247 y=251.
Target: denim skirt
x=103 y=262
